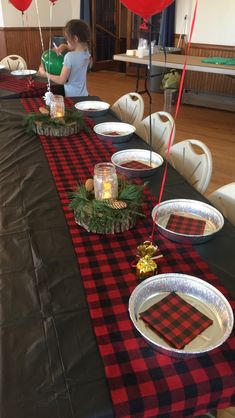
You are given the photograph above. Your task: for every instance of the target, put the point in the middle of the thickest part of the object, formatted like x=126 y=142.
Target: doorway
x=108 y=33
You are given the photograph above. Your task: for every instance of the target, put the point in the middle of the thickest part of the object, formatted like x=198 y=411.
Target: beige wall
x=215 y=21
x=62 y=11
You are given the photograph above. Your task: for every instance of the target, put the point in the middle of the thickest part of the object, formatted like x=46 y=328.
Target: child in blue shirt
x=76 y=61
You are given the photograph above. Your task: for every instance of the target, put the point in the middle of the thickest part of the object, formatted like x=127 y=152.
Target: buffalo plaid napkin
x=175 y=320
x=185 y=225
x=136 y=165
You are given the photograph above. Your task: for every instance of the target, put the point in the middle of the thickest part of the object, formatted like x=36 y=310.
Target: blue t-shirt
x=78 y=62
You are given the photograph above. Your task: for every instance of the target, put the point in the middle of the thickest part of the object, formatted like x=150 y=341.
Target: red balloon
x=53 y=1
x=21 y=5
x=146 y=8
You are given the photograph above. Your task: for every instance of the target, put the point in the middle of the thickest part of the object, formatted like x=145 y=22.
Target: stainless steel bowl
x=115 y=132
x=93 y=108
x=150 y=158
x=202 y=295
x=214 y=220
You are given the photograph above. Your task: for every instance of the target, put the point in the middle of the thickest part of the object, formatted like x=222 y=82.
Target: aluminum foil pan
x=116 y=132
x=93 y=108
x=150 y=158
x=214 y=220
x=202 y=295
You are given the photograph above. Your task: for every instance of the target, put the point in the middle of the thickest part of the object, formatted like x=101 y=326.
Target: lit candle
x=57 y=107
x=105 y=181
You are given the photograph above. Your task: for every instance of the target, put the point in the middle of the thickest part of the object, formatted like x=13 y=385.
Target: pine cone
x=117 y=204
x=89 y=185
x=44 y=110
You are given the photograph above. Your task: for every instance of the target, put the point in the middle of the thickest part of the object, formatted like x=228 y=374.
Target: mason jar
x=57 y=106
x=105 y=181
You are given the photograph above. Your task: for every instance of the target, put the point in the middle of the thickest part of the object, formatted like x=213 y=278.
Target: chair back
x=224 y=200
x=161 y=130
x=129 y=108
x=195 y=167
x=14 y=62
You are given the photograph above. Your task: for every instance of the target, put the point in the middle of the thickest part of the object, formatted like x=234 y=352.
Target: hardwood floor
x=216 y=128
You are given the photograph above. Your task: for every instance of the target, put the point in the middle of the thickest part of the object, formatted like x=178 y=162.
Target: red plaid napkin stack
x=138 y=165
x=185 y=225
x=175 y=320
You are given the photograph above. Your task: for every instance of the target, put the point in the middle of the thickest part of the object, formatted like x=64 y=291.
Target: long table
x=12 y=87
x=177 y=61
x=51 y=365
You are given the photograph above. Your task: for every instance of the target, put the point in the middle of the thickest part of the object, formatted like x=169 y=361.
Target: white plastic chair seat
x=224 y=200
x=195 y=167
x=14 y=62
x=161 y=130
x=129 y=108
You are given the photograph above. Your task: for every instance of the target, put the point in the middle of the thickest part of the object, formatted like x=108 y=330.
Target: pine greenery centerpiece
x=43 y=124
x=107 y=216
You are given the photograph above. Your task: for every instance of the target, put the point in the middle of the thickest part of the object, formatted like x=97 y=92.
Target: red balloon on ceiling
x=21 y=5
x=53 y=1
x=146 y=8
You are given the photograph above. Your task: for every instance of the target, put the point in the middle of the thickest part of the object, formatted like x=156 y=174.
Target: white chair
x=161 y=130
x=195 y=167
x=14 y=62
x=129 y=108
x=224 y=200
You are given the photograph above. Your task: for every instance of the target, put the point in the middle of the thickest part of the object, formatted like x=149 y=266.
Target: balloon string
x=49 y=46
x=42 y=43
x=28 y=59
x=175 y=117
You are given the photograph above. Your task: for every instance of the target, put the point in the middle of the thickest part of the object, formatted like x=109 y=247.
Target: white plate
x=202 y=295
x=2 y=66
x=114 y=131
x=92 y=108
x=23 y=73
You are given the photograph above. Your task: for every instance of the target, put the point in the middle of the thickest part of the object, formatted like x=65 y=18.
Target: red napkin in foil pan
x=176 y=320
x=138 y=165
x=185 y=225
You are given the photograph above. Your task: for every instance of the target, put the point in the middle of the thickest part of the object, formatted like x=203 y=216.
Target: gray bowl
x=140 y=155
x=24 y=73
x=213 y=219
x=202 y=295
x=115 y=132
x=93 y=108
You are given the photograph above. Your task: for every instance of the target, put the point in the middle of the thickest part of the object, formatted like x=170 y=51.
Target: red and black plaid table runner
x=185 y=224
x=143 y=382
x=175 y=320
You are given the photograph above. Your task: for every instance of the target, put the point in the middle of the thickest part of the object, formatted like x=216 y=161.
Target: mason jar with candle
x=57 y=107
x=105 y=181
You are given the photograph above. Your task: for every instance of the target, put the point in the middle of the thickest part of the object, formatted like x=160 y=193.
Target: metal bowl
x=213 y=219
x=24 y=73
x=170 y=49
x=114 y=131
x=202 y=295
x=150 y=158
x=93 y=108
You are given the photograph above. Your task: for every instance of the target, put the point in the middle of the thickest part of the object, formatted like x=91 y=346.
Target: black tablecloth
x=49 y=358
